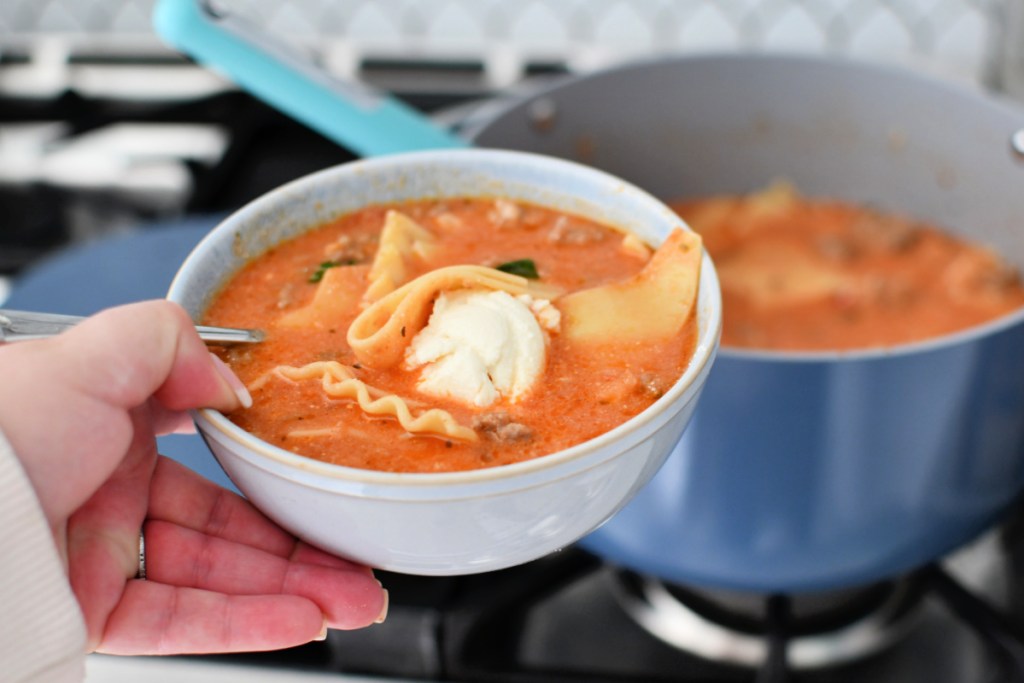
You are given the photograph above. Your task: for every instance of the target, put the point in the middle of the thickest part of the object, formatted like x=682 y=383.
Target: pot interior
x=864 y=133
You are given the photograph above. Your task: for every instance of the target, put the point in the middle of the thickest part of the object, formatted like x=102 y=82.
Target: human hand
x=82 y=411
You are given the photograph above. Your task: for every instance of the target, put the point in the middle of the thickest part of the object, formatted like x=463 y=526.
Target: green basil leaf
x=524 y=267
x=318 y=274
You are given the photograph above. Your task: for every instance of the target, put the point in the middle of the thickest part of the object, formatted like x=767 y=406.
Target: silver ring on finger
x=140 y=573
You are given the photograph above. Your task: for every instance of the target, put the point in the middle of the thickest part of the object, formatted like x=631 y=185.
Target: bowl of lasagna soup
x=471 y=359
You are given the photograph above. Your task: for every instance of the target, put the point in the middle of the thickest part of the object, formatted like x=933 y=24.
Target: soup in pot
x=459 y=334
x=806 y=274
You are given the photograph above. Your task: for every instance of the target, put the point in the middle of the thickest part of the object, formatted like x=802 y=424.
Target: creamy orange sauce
x=580 y=395
x=805 y=274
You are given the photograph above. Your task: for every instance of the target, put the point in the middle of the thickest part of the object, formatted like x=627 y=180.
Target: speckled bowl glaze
x=456 y=522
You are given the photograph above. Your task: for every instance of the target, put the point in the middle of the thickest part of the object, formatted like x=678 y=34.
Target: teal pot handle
x=363 y=120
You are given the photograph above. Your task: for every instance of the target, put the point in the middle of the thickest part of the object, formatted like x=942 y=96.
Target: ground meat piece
x=448 y=221
x=618 y=385
x=491 y=421
x=979 y=276
x=505 y=214
x=886 y=232
x=1000 y=276
x=514 y=431
x=500 y=427
x=651 y=385
x=836 y=248
x=349 y=249
x=568 y=231
x=889 y=291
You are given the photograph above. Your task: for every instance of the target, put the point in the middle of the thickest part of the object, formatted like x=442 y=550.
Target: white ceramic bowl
x=457 y=522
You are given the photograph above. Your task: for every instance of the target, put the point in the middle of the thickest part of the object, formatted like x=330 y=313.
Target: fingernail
x=232 y=379
x=323 y=632
x=384 y=610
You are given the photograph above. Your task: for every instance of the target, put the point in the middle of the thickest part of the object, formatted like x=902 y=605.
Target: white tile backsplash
x=962 y=38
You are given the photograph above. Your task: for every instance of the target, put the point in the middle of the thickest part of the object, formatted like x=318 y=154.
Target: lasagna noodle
x=778 y=275
x=650 y=306
x=379 y=335
x=402 y=240
x=338 y=381
x=338 y=292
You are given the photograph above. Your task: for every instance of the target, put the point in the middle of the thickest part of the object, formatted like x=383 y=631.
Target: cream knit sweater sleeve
x=42 y=633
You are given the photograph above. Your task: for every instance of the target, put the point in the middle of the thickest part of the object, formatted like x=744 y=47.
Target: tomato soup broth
x=584 y=391
x=806 y=274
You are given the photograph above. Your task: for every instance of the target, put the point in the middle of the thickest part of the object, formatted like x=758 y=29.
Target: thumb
x=125 y=355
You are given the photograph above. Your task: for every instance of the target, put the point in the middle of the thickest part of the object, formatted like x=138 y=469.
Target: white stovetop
x=108 y=669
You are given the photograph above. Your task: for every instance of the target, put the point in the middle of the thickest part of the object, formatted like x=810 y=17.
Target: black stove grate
x=1002 y=636
x=498 y=628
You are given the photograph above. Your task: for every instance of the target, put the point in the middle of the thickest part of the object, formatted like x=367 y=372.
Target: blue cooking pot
x=809 y=471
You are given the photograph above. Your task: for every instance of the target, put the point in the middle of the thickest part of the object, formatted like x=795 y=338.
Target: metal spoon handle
x=27 y=325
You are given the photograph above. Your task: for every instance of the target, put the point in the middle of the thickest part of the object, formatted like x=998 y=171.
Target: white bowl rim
x=705 y=348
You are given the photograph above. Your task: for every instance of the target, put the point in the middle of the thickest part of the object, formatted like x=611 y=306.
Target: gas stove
x=85 y=172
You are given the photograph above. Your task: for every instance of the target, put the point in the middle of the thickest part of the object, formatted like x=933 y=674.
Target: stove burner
x=820 y=629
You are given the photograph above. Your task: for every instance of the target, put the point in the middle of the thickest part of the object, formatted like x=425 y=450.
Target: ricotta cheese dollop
x=482 y=346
